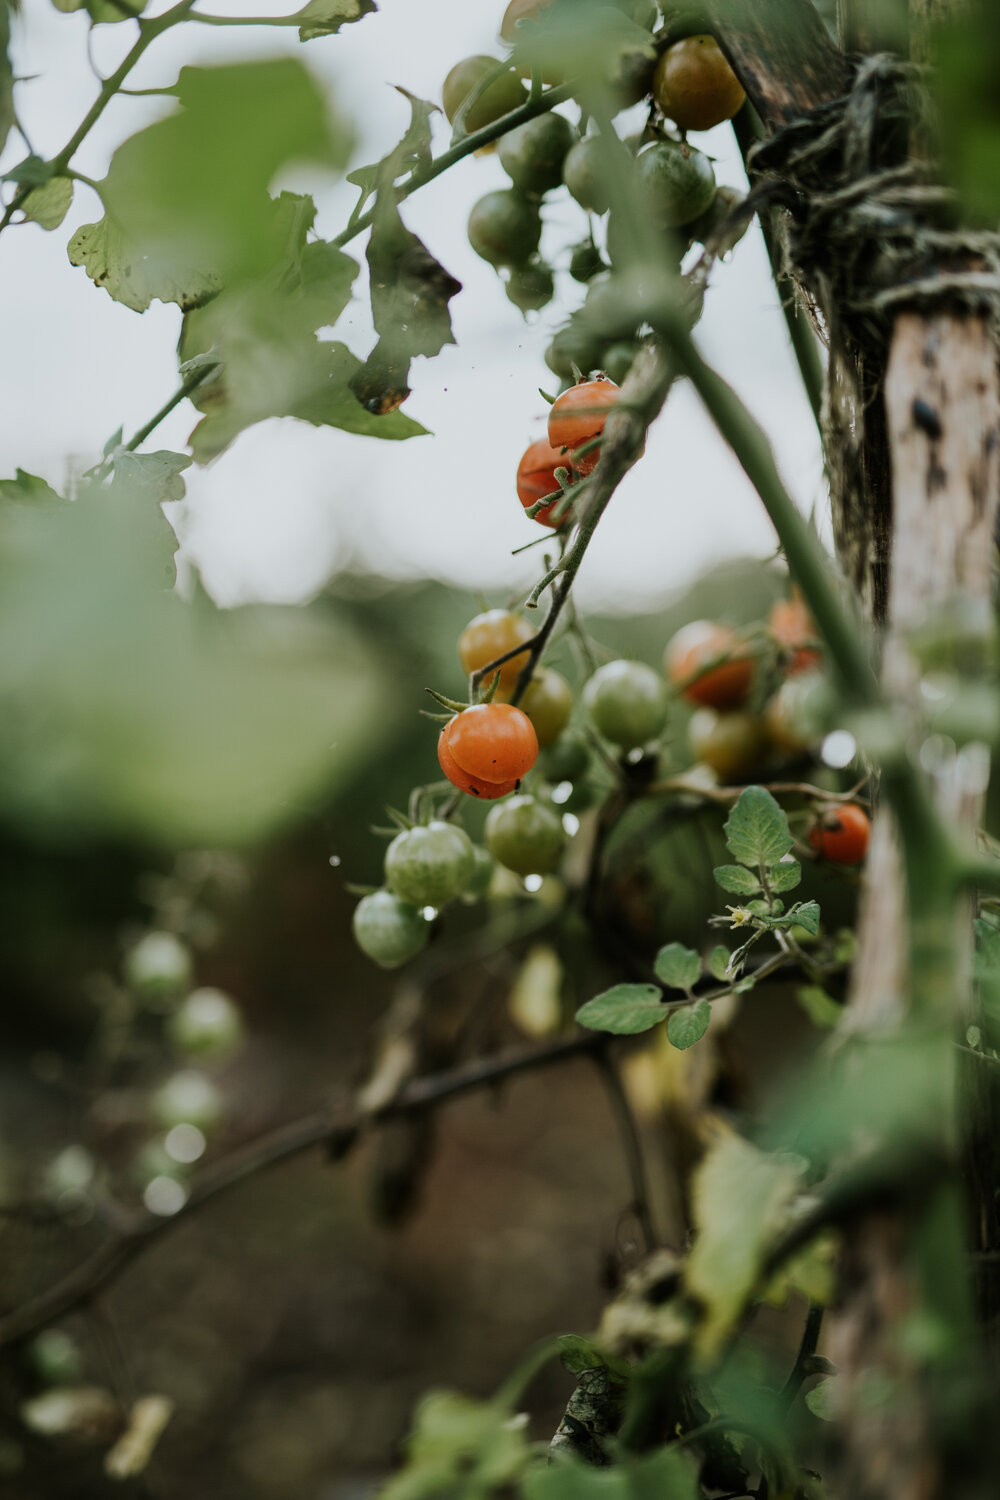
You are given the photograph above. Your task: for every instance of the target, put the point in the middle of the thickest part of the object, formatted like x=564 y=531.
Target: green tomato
x=427 y=866
x=525 y=835
x=158 y=968
x=566 y=759
x=585 y=261
x=618 y=360
x=55 y=1357
x=389 y=930
x=573 y=345
x=206 y=1024
x=584 y=173
x=548 y=702
x=504 y=228
x=677 y=183
x=505 y=94
x=532 y=154
x=187 y=1098
x=531 y=287
x=627 y=703
x=732 y=743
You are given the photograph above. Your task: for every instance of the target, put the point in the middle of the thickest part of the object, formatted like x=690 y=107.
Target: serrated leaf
x=28 y=489
x=718 y=963
x=193 y=190
x=687 y=1026
x=624 y=1010
x=785 y=876
x=818 y=1006
x=677 y=967
x=736 y=878
x=48 y=205
x=803 y=914
x=578 y=1354
x=133 y=278
x=757 y=830
x=325 y=17
x=157 y=475
x=822 y=1400
x=741 y=1199
x=667 y=1474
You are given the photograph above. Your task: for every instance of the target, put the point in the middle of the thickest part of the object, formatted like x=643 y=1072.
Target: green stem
x=149 y=30
x=192 y=383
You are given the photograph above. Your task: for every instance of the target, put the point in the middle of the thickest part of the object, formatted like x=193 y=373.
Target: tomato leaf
x=677 y=967
x=785 y=876
x=757 y=830
x=718 y=962
x=687 y=1026
x=192 y=191
x=818 y=1006
x=325 y=17
x=28 y=489
x=624 y=1010
x=666 y=1474
x=737 y=878
x=134 y=278
x=48 y=205
x=460 y=1446
x=741 y=1200
x=821 y=1400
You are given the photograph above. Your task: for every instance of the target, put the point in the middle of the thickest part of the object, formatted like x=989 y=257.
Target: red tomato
x=692 y=648
x=490 y=746
x=794 y=628
x=579 y=415
x=842 y=834
x=536 y=478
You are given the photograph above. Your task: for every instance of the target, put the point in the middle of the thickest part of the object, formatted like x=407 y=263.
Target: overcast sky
x=289 y=503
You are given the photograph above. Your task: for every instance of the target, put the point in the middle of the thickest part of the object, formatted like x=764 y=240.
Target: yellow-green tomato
x=206 y=1024
x=731 y=743
x=548 y=702
x=627 y=703
x=503 y=95
x=427 y=866
x=388 y=930
x=525 y=835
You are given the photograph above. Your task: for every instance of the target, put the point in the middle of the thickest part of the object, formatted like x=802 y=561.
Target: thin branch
x=807 y=1348
x=337 y=1132
x=632 y=1146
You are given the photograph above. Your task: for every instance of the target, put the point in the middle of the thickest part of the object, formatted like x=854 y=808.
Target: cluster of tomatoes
x=572 y=444
x=750 y=694
x=690 y=85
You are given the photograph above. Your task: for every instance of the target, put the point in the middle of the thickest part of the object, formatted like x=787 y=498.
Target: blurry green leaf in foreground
x=192 y=190
x=742 y=1198
x=460 y=1447
x=28 y=489
x=48 y=205
x=104 y=10
x=590 y=41
x=668 y=1474
x=125 y=710
x=967 y=53
x=6 y=78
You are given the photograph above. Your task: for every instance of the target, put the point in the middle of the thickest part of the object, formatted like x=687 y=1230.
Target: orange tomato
x=694 y=85
x=794 y=628
x=687 y=658
x=486 y=749
x=579 y=415
x=488 y=636
x=536 y=478
x=842 y=834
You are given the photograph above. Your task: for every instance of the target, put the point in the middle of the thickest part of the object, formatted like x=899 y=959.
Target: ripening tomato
x=488 y=636
x=486 y=749
x=695 y=648
x=536 y=479
x=842 y=834
x=731 y=743
x=798 y=714
x=626 y=703
x=389 y=930
x=427 y=865
x=579 y=415
x=694 y=85
x=794 y=628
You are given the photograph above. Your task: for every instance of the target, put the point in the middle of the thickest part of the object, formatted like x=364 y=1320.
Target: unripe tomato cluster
x=690 y=86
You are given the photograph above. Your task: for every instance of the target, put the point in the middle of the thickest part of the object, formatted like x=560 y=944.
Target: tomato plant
x=578 y=416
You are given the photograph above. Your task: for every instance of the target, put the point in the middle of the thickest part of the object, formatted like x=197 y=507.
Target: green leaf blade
x=677 y=967
x=757 y=830
x=687 y=1026
x=737 y=879
x=624 y=1010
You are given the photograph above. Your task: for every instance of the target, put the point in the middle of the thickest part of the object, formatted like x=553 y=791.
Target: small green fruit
x=677 y=183
x=531 y=287
x=532 y=154
x=504 y=228
x=525 y=835
x=503 y=95
x=585 y=174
